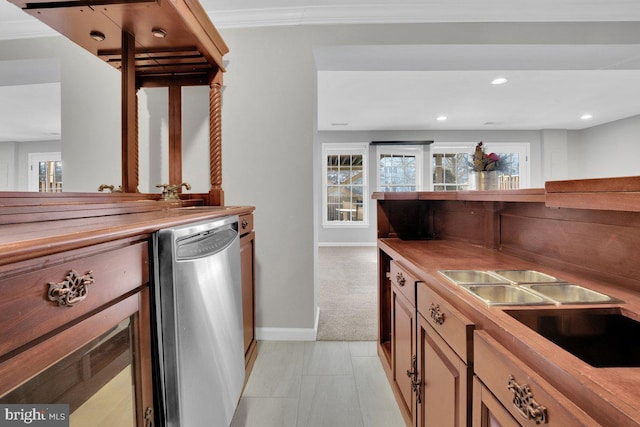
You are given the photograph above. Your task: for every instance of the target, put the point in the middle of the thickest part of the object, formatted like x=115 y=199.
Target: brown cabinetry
x=507 y=392
x=430 y=354
x=247 y=265
x=444 y=347
x=78 y=332
x=403 y=349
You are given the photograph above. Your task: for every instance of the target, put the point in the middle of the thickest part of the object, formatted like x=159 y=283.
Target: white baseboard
x=347 y=244
x=289 y=334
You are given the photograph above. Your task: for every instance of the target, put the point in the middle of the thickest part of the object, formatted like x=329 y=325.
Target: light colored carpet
x=347 y=294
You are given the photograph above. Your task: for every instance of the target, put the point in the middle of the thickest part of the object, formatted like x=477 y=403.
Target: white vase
x=484 y=180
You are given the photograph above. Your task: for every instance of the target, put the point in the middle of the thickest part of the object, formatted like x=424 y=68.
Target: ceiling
x=552 y=86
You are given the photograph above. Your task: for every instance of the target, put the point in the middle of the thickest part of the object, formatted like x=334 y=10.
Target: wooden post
x=175 y=133
x=129 y=116
x=216 y=194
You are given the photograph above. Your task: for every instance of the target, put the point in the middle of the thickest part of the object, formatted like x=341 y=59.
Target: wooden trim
x=129 y=116
x=39 y=357
x=175 y=134
x=215 y=139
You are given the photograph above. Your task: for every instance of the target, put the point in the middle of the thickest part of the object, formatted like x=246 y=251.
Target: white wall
x=8 y=161
x=270 y=146
x=612 y=149
x=195 y=138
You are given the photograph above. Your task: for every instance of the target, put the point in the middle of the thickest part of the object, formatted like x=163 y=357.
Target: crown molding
x=433 y=11
x=25 y=29
x=428 y=11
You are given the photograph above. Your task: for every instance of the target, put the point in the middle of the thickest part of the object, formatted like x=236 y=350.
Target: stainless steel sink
x=526 y=276
x=603 y=337
x=505 y=294
x=567 y=293
x=473 y=277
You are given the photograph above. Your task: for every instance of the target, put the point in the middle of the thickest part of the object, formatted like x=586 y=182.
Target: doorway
x=45 y=172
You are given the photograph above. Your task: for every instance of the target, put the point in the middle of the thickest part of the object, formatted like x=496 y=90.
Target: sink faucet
x=170 y=192
x=111 y=188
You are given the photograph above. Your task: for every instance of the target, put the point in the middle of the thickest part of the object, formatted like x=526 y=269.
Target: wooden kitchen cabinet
x=247 y=266
x=76 y=330
x=487 y=410
x=431 y=351
x=444 y=356
x=508 y=393
x=403 y=340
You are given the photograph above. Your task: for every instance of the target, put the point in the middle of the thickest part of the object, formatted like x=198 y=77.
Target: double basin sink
x=601 y=336
x=523 y=287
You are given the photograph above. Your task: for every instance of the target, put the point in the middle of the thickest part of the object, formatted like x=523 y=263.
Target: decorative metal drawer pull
x=525 y=404
x=415 y=380
x=400 y=279
x=245 y=223
x=436 y=314
x=72 y=290
x=148 y=417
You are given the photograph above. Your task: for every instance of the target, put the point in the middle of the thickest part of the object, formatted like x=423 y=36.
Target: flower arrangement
x=483 y=161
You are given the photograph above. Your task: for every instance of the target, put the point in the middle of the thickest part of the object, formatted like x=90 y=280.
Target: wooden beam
x=129 y=116
x=175 y=133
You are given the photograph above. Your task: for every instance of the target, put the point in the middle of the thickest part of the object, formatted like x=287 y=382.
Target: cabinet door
x=248 y=291
x=444 y=398
x=403 y=352
x=100 y=367
x=487 y=410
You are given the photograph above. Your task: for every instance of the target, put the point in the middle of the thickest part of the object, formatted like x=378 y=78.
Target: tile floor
x=319 y=383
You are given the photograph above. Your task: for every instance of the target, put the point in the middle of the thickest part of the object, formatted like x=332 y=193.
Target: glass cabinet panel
x=96 y=381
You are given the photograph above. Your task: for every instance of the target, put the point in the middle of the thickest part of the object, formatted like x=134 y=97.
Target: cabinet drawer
x=403 y=281
x=452 y=325
x=245 y=224
x=511 y=381
x=27 y=312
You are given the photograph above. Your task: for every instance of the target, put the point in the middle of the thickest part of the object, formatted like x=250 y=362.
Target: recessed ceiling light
x=499 y=81
x=159 y=33
x=586 y=116
x=441 y=118
x=339 y=123
x=97 y=36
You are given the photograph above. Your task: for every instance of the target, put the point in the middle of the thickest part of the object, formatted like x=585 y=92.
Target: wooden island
x=457 y=360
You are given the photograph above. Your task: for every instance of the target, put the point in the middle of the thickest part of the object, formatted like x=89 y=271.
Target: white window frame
x=34 y=159
x=416 y=151
x=346 y=148
x=522 y=148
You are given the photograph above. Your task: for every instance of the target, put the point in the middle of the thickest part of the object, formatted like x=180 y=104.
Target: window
x=45 y=172
x=399 y=169
x=345 y=184
x=450 y=165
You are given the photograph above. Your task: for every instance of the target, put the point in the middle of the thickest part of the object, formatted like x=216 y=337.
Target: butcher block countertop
x=26 y=240
x=613 y=392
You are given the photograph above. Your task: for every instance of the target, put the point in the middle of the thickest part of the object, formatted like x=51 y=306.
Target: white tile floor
x=321 y=383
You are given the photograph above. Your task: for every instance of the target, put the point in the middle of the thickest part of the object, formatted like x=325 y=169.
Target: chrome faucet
x=171 y=192
x=111 y=188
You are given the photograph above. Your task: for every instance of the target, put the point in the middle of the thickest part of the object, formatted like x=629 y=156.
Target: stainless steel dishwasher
x=198 y=323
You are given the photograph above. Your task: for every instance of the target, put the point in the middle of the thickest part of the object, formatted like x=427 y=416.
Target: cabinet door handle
x=415 y=380
x=72 y=290
x=436 y=314
x=400 y=280
x=244 y=223
x=148 y=417
x=525 y=404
